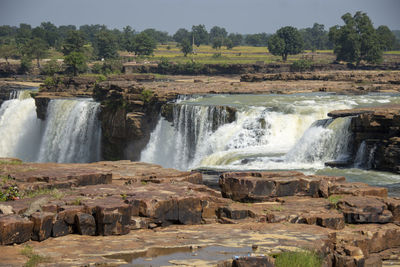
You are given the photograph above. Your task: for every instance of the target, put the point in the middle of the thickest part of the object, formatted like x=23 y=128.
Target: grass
x=334 y=199
x=11 y=162
x=275 y=208
x=33 y=258
x=55 y=193
x=205 y=54
x=298 y=259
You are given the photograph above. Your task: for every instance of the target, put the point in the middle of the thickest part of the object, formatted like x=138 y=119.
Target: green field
x=242 y=54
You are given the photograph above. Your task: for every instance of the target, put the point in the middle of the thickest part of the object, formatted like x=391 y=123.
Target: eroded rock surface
x=111 y=213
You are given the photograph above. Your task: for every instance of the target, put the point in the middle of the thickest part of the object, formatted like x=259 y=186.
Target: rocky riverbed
x=111 y=213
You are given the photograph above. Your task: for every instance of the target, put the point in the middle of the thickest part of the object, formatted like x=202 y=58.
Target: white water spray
x=72 y=132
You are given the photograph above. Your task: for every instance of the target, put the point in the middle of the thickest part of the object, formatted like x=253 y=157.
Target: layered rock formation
x=262 y=213
x=376 y=136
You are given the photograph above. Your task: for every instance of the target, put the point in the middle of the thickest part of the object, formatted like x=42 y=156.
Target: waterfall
x=365 y=156
x=72 y=132
x=201 y=136
x=19 y=127
x=180 y=144
x=325 y=140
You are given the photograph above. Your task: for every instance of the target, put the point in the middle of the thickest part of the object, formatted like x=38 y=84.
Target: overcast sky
x=242 y=16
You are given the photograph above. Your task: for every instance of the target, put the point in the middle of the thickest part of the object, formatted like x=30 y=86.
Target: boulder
x=262 y=186
x=14 y=229
x=85 y=224
x=364 y=210
x=253 y=261
x=113 y=217
x=42 y=225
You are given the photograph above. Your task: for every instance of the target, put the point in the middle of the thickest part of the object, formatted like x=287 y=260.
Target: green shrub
x=10 y=193
x=50 y=82
x=301 y=65
x=298 y=259
x=50 y=68
x=147 y=95
x=26 y=65
x=97 y=68
x=112 y=66
x=164 y=66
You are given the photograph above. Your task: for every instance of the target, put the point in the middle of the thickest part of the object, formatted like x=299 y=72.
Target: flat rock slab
x=263 y=186
x=358 y=209
x=303 y=210
x=264 y=238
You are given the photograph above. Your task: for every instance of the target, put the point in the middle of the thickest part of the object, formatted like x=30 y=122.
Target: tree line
x=357 y=40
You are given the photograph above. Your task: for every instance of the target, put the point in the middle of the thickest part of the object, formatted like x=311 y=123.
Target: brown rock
x=253 y=261
x=262 y=186
x=42 y=225
x=364 y=210
x=113 y=217
x=357 y=189
x=394 y=207
x=85 y=224
x=14 y=229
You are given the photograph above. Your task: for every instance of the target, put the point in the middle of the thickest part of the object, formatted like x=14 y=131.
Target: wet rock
x=85 y=224
x=14 y=229
x=42 y=225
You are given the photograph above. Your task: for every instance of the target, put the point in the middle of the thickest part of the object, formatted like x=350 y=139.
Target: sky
x=241 y=16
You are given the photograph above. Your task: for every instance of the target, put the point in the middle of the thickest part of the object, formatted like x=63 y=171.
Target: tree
x=8 y=51
x=127 y=35
x=217 y=33
x=286 y=41
x=106 y=45
x=142 y=45
x=158 y=36
x=258 y=39
x=76 y=62
x=386 y=37
x=217 y=43
x=315 y=37
x=186 y=47
x=36 y=48
x=229 y=43
x=74 y=42
x=200 y=35
x=236 y=39
x=356 y=40
x=181 y=35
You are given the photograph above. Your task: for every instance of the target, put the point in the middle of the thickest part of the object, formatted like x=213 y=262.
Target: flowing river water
x=269 y=132
x=213 y=133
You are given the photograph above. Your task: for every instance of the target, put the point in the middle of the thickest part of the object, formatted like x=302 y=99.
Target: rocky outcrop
x=376 y=136
x=345 y=223
x=359 y=77
x=128 y=115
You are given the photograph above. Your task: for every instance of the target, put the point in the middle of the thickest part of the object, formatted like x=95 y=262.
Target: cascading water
x=269 y=132
x=71 y=132
x=364 y=156
x=19 y=127
x=193 y=125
